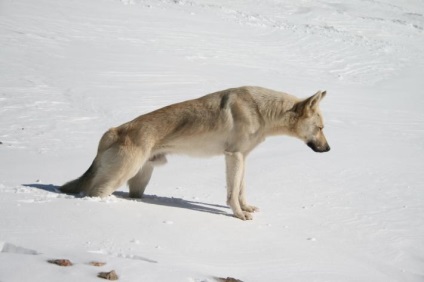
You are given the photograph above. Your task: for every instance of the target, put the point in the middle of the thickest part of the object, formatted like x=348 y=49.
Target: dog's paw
x=243 y=215
x=135 y=195
x=248 y=208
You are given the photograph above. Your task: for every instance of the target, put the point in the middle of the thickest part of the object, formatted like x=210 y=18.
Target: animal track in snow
x=123 y=255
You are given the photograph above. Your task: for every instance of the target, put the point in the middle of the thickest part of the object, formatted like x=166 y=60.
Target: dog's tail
x=83 y=183
x=80 y=184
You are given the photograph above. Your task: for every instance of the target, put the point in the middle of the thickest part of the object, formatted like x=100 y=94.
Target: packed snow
x=69 y=70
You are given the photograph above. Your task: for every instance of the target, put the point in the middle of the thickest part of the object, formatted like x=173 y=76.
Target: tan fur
x=230 y=122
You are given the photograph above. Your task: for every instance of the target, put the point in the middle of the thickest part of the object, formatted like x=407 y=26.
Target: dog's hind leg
x=139 y=182
x=235 y=171
x=115 y=166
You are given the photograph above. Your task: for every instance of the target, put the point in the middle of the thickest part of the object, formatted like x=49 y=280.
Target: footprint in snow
x=169 y=222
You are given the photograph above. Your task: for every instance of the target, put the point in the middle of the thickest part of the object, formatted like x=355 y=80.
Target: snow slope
x=69 y=70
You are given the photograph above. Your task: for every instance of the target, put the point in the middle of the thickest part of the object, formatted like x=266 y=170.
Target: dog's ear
x=309 y=105
x=313 y=101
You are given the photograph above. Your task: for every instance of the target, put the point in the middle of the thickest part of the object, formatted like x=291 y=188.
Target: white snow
x=69 y=70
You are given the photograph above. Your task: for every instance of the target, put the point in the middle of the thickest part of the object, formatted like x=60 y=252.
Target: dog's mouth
x=318 y=149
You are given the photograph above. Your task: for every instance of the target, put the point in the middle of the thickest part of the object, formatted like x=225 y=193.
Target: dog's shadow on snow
x=178 y=203
x=46 y=187
x=150 y=199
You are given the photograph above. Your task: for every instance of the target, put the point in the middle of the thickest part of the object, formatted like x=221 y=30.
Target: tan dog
x=230 y=122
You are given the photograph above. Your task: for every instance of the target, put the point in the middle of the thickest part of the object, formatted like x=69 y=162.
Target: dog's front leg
x=242 y=198
x=235 y=172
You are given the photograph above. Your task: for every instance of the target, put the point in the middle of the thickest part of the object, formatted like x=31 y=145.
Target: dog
x=231 y=122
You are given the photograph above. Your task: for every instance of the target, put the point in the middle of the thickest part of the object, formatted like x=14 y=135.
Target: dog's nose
x=327 y=148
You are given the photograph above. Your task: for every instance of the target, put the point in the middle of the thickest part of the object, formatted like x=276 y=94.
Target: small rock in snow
x=97 y=263
x=228 y=279
x=108 y=275
x=61 y=262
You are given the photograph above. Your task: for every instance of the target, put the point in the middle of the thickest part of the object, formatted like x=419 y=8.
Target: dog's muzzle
x=318 y=149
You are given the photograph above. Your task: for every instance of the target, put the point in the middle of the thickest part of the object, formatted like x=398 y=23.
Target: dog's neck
x=278 y=114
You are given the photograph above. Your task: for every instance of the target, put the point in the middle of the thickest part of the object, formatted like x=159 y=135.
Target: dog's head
x=309 y=124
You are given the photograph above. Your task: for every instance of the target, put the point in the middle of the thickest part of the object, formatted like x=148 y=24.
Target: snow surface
x=69 y=70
